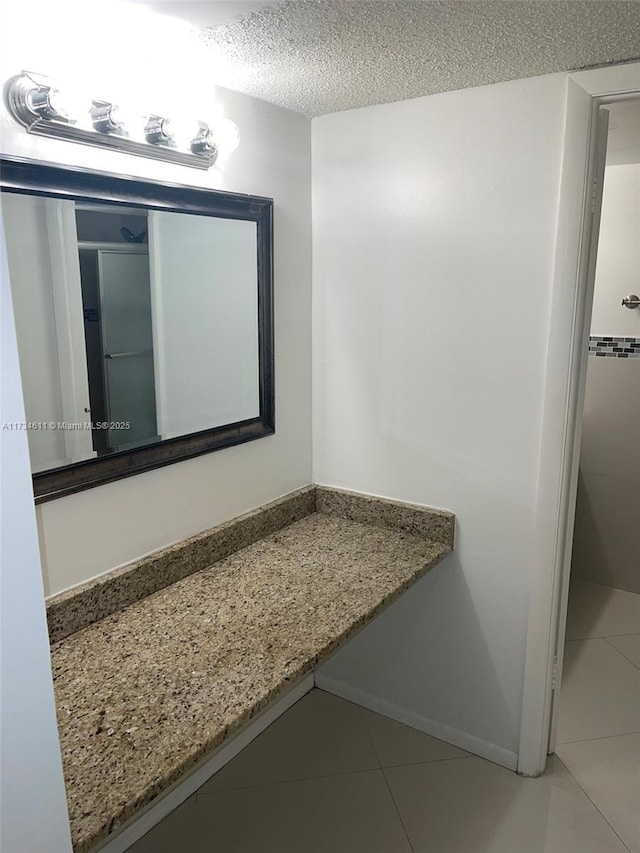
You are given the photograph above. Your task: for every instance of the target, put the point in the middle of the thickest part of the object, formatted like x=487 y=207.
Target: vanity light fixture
x=45 y=109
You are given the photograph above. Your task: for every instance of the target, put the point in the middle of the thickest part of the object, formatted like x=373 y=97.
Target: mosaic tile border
x=609 y=347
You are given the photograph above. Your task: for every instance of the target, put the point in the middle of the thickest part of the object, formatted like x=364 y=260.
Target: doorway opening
x=596 y=727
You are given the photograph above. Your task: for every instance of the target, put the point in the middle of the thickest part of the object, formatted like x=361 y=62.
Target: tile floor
x=331 y=777
x=599 y=724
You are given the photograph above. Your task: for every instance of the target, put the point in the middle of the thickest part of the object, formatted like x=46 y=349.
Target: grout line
x=622 y=654
x=604 y=585
x=630 y=634
x=363 y=720
x=436 y=760
x=366 y=711
x=594 y=804
x=578 y=639
x=584 y=640
x=395 y=805
x=287 y=781
x=362 y=713
x=201 y=793
x=600 y=737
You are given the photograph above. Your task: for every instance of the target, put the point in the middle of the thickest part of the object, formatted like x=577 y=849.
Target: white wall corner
x=34 y=816
x=463 y=740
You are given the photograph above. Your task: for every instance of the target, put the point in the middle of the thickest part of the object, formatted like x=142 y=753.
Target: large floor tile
x=396 y=743
x=351 y=813
x=600 y=692
x=610 y=612
x=320 y=735
x=629 y=646
x=608 y=770
x=472 y=806
x=177 y=832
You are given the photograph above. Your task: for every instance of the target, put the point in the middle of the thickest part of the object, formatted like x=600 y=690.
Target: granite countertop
x=146 y=693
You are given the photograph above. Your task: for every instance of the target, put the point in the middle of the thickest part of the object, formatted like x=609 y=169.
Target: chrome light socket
x=157 y=131
x=44 y=101
x=106 y=119
x=31 y=97
x=204 y=143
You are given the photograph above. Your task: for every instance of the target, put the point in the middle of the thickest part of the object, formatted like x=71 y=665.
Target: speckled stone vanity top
x=145 y=693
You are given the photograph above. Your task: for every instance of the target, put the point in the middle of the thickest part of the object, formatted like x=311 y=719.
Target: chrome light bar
x=46 y=110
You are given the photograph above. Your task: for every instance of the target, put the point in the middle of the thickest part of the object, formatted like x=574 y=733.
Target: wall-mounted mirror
x=144 y=321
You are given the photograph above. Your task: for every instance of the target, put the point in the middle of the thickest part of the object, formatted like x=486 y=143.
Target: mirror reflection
x=134 y=325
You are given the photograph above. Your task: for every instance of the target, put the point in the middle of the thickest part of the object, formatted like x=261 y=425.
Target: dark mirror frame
x=34 y=178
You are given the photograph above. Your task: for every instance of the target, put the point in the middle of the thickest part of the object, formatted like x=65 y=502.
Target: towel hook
x=631 y=301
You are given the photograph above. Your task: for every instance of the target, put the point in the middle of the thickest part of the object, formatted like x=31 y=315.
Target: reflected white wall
x=204 y=299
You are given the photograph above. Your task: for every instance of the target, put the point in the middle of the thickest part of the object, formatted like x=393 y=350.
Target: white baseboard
x=463 y=740
x=181 y=791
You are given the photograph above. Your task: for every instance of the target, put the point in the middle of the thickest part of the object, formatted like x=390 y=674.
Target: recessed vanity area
x=281 y=312
x=146 y=693
x=145 y=320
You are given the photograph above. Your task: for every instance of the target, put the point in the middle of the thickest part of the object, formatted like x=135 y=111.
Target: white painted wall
x=618 y=267
x=30 y=269
x=434 y=231
x=92 y=532
x=33 y=809
x=204 y=288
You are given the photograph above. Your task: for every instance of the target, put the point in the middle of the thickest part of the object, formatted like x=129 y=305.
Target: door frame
x=69 y=326
x=565 y=376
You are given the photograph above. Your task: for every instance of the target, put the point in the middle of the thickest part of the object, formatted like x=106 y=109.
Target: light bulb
x=226 y=135
x=60 y=104
x=184 y=131
x=131 y=121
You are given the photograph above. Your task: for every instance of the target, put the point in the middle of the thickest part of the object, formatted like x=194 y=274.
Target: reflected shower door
x=127 y=340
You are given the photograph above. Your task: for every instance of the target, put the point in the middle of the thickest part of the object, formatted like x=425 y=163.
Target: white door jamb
x=571 y=302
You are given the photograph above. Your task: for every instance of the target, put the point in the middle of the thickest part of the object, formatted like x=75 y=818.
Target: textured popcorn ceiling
x=322 y=56
x=208 y=13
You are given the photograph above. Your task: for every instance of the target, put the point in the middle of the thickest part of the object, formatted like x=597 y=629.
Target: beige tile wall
x=606 y=545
